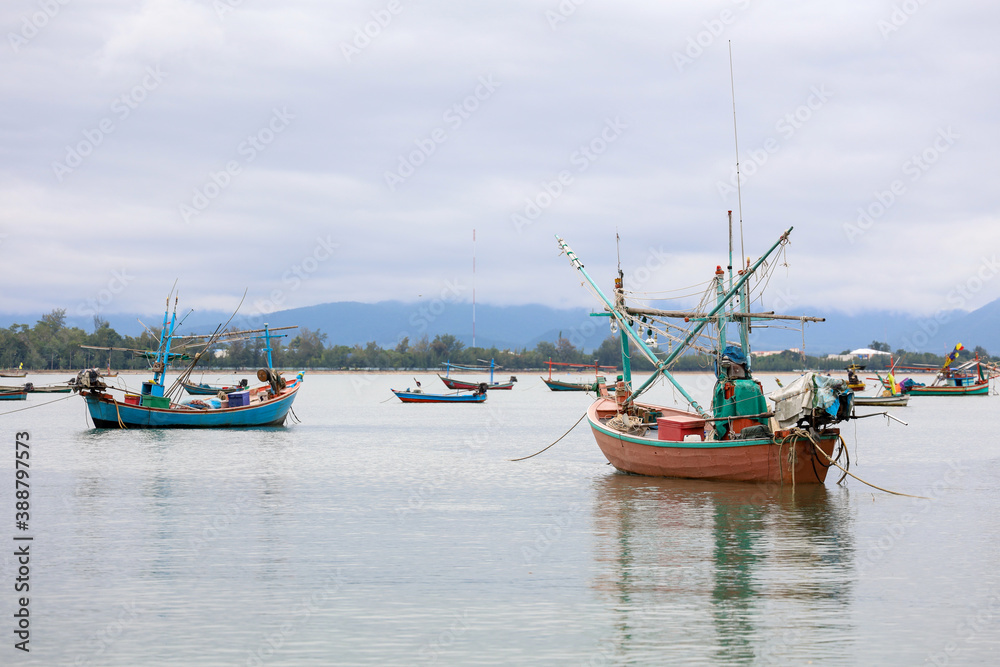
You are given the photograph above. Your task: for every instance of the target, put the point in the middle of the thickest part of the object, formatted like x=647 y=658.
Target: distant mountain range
x=517 y=327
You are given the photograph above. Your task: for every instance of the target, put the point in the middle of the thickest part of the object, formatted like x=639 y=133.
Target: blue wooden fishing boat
x=157 y=407
x=12 y=394
x=417 y=396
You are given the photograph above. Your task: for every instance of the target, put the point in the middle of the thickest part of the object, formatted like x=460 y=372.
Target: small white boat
x=899 y=400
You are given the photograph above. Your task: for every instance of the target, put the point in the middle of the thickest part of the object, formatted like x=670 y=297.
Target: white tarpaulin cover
x=808 y=392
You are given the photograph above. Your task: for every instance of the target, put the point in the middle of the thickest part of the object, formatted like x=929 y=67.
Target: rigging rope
x=803 y=432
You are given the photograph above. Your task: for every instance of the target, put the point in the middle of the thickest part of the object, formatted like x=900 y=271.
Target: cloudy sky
x=333 y=151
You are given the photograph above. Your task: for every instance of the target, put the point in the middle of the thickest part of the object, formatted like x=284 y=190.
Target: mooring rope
x=62 y=398
x=557 y=439
x=801 y=432
x=847 y=453
x=120 y=423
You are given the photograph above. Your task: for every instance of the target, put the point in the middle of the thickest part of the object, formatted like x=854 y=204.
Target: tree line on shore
x=51 y=345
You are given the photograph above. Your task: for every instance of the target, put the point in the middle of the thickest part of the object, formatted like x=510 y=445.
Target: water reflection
x=734 y=573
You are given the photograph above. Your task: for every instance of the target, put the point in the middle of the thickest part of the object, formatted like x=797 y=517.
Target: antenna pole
x=473 y=288
x=736 y=140
x=730 y=249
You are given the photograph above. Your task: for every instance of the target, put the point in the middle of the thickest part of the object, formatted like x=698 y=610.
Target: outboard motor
x=483 y=387
x=89 y=378
x=273 y=378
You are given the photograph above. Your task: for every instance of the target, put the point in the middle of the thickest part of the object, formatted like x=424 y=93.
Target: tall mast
x=720 y=300
x=627 y=332
x=745 y=321
x=736 y=141
x=623 y=329
x=730 y=250
x=165 y=338
x=661 y=366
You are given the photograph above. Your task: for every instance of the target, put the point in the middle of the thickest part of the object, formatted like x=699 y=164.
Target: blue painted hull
x=417 y=397
x=14 y=396
x=107 y=413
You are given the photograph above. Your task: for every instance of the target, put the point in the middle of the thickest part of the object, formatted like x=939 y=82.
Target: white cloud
x=658 y=184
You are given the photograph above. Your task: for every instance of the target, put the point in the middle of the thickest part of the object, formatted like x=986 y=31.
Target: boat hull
x=787 y=460
x=981 y=389
x=208 y=390
x=13 y=396
x=463 y=385
x=56 y=389
x=556 y=385
x=882 y=401
x=106 y=412
x=415 y=397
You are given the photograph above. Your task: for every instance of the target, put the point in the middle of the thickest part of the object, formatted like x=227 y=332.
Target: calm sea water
x=380 y=533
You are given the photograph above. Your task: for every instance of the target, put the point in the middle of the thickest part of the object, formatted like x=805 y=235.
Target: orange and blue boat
x=740 y=439
x=13 y=394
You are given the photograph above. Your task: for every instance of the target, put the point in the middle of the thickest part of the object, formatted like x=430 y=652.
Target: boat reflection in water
x=700 y=571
